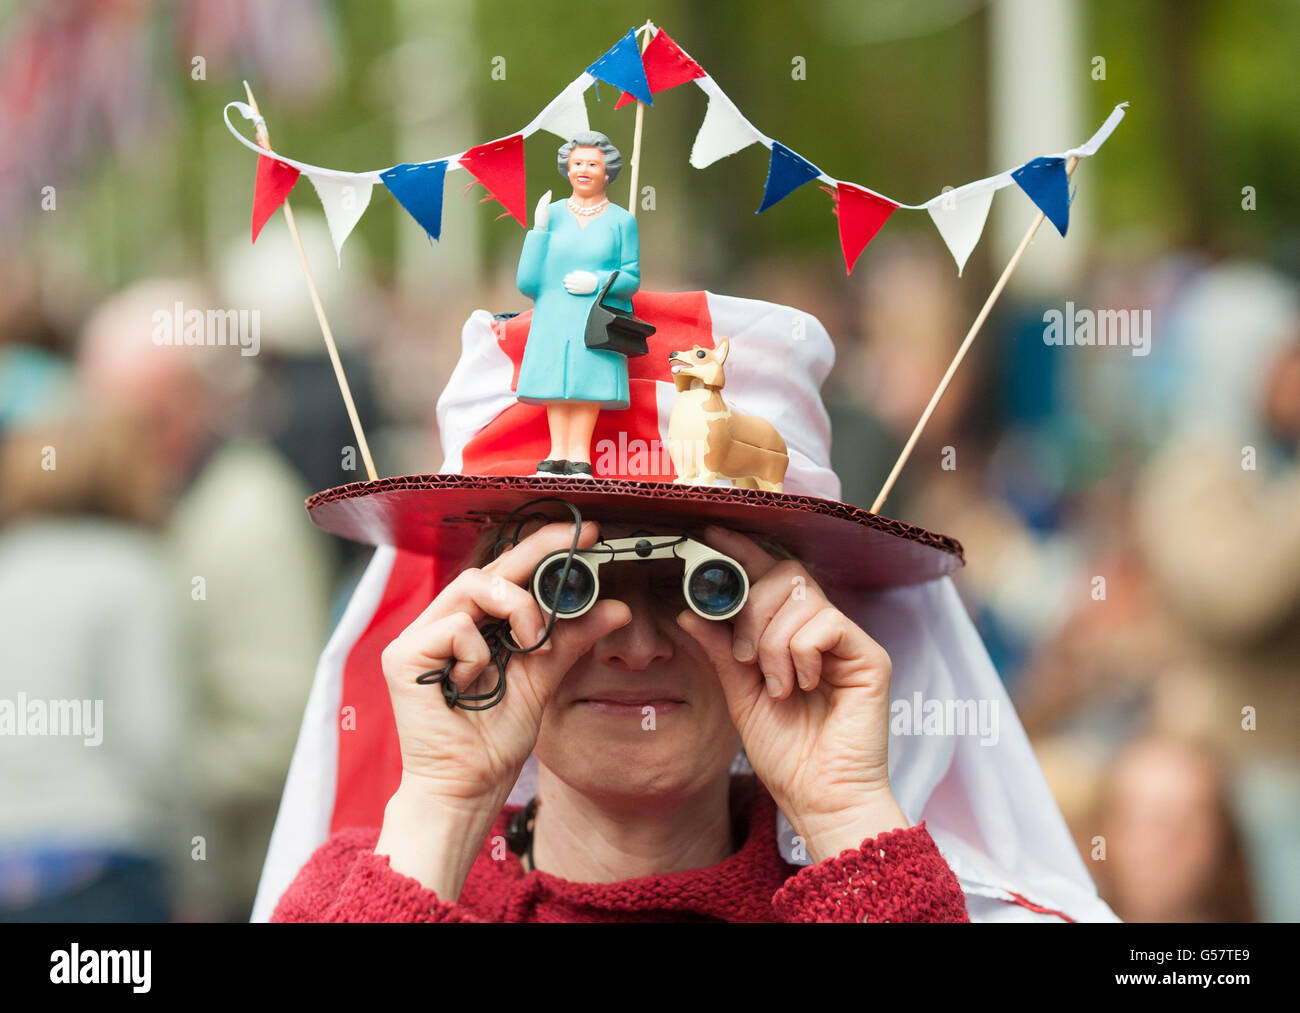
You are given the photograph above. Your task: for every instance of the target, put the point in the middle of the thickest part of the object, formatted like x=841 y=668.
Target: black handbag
x=617 y=330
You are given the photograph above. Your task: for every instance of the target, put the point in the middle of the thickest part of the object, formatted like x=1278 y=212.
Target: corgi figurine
x=707 y=439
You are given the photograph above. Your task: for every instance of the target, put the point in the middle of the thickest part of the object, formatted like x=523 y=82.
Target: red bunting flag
x=861 y=214
x=274 y=181
x=666 y=66
x=499 y=166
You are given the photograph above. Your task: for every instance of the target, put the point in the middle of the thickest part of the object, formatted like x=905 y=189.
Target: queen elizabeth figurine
x=568 y=256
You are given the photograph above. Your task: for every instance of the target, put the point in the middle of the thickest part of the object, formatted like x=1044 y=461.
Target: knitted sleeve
x=345 y=881
x=897 y=876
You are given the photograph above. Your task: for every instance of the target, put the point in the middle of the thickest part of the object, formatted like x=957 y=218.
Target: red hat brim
x=444 y=516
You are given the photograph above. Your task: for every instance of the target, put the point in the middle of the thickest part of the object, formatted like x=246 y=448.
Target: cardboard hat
x=776 y=362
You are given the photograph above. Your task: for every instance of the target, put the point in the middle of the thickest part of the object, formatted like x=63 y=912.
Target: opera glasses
x=568 y=584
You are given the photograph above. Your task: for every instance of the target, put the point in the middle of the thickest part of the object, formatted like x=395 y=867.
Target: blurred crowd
x=154 y=558
x=1132 y=526
x=1131 y=523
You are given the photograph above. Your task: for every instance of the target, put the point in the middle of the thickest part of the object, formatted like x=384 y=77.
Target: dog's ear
x=722 y=348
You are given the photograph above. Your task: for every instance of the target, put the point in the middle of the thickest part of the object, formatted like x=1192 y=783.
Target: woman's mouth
x=631 y=703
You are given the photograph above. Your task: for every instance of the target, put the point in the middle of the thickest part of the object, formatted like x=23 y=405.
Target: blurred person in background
x=92 y=702
x=896 y=342
x=1173 y=852
x=297 y=404
x=250 y=574
x=1218 y=516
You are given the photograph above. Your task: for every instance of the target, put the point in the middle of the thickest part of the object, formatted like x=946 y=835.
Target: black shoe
x=578 y=468
x=552 y=466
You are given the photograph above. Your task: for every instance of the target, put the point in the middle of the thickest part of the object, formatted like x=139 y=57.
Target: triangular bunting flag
x=960 y=214
x=1047 y=185
x=274 y=181
x=861 y=214
x=666 y=66
x=566 y=116
x=499 y=166
x=622 y=68
x=723 y=132
x=418 y=188
x=344 y=201
x=786 y=172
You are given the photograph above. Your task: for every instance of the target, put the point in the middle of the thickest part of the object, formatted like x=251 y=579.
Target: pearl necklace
x=594 y=210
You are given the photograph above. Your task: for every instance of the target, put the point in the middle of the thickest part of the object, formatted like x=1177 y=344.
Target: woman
x=563 y=267
x=635 y=711
x=90 y=641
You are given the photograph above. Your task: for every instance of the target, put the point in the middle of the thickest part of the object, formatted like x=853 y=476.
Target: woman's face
x=587 y=172
x=1163 y=832
x=642 y=713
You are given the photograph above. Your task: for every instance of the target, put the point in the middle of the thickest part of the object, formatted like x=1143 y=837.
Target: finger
x=742 y=684
x=767 y=596
x=572 y=638
x=517 y=564
x=479 y=594
x=430 y=647
x=774 y=659
x=820 y=634
x=744 y=550
x=832 y=634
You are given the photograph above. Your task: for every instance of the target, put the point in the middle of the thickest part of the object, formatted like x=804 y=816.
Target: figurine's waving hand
x=542 y=216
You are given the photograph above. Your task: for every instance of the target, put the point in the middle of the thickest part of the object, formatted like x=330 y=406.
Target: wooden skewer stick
x=961 y=352
x=263 y=138
x=636 y=136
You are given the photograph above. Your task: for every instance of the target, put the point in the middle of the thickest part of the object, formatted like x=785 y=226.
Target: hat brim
x=444 y=516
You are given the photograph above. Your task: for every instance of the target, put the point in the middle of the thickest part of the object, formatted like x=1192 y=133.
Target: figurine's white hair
x=592 y=139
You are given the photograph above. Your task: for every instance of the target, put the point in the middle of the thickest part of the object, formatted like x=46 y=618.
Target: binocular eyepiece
x=714 y=586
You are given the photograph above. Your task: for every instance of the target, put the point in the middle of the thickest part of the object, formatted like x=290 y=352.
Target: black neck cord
x=519 y=832
x=496 y=632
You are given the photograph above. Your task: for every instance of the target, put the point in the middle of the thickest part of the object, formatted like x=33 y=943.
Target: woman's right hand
x=465 y=762
x=542 y=216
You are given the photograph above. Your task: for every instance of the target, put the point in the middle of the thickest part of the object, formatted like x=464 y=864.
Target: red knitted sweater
x=897 y=876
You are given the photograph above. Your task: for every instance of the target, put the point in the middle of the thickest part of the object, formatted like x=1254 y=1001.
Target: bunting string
x=959 y=214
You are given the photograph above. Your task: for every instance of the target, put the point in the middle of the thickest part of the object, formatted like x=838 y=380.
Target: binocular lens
x=574 y=594
x=715 y=588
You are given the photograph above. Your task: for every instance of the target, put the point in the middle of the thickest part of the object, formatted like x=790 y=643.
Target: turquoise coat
x=557 y=364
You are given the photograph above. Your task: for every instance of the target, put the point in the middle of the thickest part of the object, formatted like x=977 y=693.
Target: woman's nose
x=640 y=643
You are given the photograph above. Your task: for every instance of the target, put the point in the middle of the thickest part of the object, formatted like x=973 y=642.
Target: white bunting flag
x=724 y=130
x=566 y=116
x=1093 y=143
x=959 y=215
x=345 y=200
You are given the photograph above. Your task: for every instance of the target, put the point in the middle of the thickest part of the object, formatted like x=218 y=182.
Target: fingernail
x=541 y=632
x=743 y=650
x=773 y=687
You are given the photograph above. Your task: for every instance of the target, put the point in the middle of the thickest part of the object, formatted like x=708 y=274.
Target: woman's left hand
x=808 y=690
x=580 y=282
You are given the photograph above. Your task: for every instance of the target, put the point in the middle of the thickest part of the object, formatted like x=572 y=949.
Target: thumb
x=742 y=683
x=572 y=638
